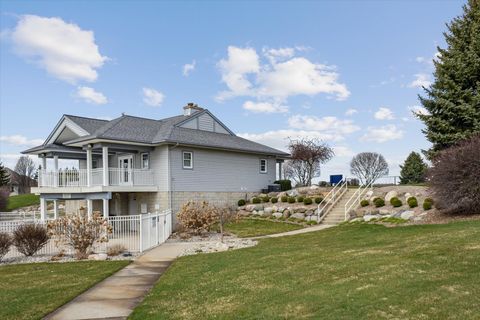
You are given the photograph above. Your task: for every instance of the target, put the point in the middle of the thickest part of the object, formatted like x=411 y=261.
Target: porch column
x=89 y=166
x=105 y=208
x=55 y=170
x=105 y=166
x=89 y=208
x=44 y=163
x=280 y=171
x=43 y=209
x=55 y=209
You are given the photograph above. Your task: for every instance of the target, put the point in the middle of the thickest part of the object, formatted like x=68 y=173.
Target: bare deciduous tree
x=25 y=169
x=368 y=166
x=307 y=156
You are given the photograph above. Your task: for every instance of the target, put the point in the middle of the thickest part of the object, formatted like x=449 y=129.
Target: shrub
x=396 y=202
x=29 y=238
x=266 y=199
x=291 y=199
x=199 y=217
x=80 y=232
x=455 y=177
x=427 y=204
x=115 y=250
x=364 y=203
x=379 y=202
x=5 y=243
x=412 y=202
x=241 y=202
x=300 y=199
x=284 y=198
x=256 y=200
x=274 y=200
x=318 y=200
x=285 y=185
x=307 y=201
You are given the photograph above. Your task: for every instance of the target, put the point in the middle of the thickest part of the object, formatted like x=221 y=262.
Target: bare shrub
x=224 y=214
x=5 y=243
x=80 y=232
x=115 y=250
x=454 y=178
x=30 y=238
x=197 y=217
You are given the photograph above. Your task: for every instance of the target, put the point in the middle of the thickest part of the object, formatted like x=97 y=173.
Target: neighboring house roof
x=153 y=132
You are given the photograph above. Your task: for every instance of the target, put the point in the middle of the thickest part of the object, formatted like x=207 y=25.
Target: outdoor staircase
x=336 y=214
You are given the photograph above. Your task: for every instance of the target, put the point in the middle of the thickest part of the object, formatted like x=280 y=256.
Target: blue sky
x=348 y=72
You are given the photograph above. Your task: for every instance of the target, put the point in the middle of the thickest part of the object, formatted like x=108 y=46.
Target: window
x=263 y=166
x=187 y=160
x=145 y=160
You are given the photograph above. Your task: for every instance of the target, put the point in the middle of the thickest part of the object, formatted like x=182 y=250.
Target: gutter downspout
x=170 y=178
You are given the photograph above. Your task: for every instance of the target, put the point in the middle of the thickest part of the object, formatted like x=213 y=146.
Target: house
x=19 y=184
x=132 y=165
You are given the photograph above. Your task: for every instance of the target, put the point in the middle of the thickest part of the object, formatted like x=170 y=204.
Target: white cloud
x=234 y=69
x=343 y=151
x=63 y=49
x=278 y=54
x=20 y=140
x=382 y=134
x=418 y=110
x=331 y=125
x=421 y=80
x=276 y=80
x=264 y=107
x=91 y=96
x=189 y=68
x=351 y=112
x=152 y=97
x=384 y=114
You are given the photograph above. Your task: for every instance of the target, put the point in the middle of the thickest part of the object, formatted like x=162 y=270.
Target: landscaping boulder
x=98 y=256
x=286 y=213
x=369 y=217
x=368 y=195
x=406 y=215
x=310 y=218
x=390 y=195
x=384 y=211
x=298 y=215
x=243 y=213
x=292 y=193
x=260 y=213
x=277 y=215
x=269 y=210
x=301 y=209
x=250 y=207
x=407 y=195
x=309 y=212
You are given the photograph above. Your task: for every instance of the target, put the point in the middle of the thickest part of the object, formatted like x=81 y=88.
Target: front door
x=125 y=164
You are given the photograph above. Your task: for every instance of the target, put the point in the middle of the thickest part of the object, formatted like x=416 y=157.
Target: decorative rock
x=292 y=193
x=369 y=194
x=369 y=217
x=311 y=218
x=298 y=215
x=384 y=211
x=309 y=212
x=286 y=213
x=269 y=210
x=261 y=212
x=301 y=209
x=98 y=256
x=266 y=214
x=254 y=212
x=250 y=207
x=277 y=215
x=356 y=219
x=407 y=195
x=243 y=213
x=406 y=215
x=390 y=195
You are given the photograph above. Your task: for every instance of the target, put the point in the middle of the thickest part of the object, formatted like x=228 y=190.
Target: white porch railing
x=79 y=178
x=136 y=233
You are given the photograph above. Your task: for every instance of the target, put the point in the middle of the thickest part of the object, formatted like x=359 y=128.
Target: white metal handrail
x=353 y=202
x=331 y=198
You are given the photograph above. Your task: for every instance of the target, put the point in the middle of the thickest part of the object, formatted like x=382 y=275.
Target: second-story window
x=263 y=166
x=187 y=160
x=145 y=160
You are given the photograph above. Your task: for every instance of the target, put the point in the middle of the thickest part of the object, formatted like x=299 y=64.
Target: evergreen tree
x=413 y=169
x=4 y=176
x=453 y=99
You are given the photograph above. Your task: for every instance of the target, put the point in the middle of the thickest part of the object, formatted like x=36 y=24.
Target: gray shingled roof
x=150 y=131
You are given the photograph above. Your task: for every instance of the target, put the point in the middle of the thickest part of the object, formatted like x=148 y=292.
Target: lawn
x=30 y=291
x=253 y=227
x=22 y=200
x=345 y=272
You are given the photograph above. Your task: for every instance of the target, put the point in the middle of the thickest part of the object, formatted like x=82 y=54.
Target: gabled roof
x=153 y=132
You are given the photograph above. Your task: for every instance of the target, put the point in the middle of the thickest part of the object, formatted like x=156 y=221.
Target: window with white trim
x=145 y=160
x=263 y=165
x=187 y=160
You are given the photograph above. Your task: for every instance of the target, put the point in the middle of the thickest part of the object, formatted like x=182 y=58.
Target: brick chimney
x=191 y=108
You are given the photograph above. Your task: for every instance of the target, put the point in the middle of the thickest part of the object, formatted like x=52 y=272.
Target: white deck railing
x=136 y=233
x=79 y=177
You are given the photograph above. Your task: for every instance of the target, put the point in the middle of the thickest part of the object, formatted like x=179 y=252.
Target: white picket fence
x=136 y=233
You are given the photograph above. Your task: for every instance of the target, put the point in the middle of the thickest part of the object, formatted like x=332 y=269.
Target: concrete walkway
x=117 y=296
x=298 y=231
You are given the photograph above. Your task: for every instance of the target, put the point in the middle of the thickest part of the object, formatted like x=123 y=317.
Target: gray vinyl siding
x=159 y=165
x=220 y=129
x=205 y=122
x=220 y=171
x=192 y=124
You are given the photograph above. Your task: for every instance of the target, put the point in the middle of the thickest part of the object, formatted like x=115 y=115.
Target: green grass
x=22 y=200
x=31 y=291
x=348 y=272
x=245 y=228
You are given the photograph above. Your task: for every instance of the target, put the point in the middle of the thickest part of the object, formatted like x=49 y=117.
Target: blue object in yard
x=335 y=178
